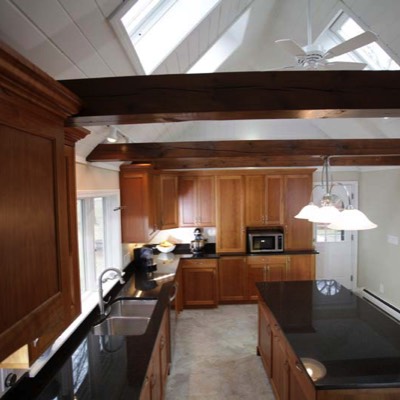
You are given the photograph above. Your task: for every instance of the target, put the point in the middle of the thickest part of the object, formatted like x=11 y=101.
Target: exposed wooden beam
x=236 y=95
x=260 y=162
x=246 y=149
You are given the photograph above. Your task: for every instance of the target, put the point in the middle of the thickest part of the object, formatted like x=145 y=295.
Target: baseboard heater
x=390 y=309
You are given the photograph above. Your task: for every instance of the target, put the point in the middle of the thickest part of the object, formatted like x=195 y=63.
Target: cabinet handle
x=176 y=287
x=153 y=380
x=35 y=342
x=162 y=342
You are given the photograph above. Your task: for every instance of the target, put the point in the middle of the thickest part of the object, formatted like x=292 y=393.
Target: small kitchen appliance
x=197 y=245
x=146 y=259
x=264 y=241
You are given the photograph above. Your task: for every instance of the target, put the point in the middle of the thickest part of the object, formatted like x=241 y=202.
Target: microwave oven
x=264 y=241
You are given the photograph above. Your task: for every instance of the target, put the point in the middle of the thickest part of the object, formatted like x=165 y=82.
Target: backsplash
x=183 y=235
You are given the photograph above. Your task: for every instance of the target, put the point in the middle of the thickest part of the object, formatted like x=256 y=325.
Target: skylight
x=156 y=27
x=344 y=28
x=223 y=48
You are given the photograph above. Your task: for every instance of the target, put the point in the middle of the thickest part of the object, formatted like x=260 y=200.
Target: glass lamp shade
x=325 y=215
x=307 y=211
x=352 y=220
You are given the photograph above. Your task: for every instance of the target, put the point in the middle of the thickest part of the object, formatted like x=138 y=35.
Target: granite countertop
x=105 y=367
x=358 y=344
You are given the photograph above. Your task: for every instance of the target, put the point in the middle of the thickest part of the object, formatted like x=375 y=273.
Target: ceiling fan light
x=325 y=215
x=352 y=220
x=307 y=211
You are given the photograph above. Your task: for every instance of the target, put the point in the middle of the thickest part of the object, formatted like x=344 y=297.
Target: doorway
x=337 y=258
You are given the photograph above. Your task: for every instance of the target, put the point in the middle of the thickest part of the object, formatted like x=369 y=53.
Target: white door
x=337 y=258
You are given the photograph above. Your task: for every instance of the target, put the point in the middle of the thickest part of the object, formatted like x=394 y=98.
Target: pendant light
x=328 y=213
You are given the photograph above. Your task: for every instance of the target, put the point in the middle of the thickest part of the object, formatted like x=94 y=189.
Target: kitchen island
x=319 y=340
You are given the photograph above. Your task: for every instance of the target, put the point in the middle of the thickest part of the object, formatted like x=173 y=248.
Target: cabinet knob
x=298 y=367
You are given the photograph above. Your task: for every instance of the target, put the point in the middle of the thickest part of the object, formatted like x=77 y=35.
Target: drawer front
x=254 y=260
x=200 y=263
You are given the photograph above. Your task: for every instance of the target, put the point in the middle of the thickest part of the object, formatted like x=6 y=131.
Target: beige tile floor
x=215 y=356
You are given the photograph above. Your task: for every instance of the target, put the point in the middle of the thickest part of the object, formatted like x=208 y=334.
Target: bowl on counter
x=164 y=249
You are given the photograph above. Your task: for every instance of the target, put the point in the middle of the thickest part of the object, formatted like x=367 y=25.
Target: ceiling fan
x=312 y=57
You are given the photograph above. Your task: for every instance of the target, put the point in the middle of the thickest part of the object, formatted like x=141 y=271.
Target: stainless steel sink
x=132 y=308
x=127 y=317
x=122 y=326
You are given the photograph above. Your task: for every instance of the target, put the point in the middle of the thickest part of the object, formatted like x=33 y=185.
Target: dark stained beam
x=235 y=96
x=248 y=149
x=264 y=162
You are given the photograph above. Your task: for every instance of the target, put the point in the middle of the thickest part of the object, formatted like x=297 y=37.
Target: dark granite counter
x=358 y=344
x=104 y=367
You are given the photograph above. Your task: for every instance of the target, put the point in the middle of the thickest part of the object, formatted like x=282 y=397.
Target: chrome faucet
x=102 y=280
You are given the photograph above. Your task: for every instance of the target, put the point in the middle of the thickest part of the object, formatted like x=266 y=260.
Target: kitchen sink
x=127 y=317
x=132 y=308
x=122 y=326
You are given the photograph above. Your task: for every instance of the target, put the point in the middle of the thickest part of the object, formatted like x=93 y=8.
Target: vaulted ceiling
x=73 y=39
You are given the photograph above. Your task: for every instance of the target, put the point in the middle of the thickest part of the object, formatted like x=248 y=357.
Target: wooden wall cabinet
x=196 y=201
x=200 y=282
x=138 y=209
x=37 y=228
x=264 y=200
x=298 y=232
x=168 y=204
x=232 y=279
x=231 y=231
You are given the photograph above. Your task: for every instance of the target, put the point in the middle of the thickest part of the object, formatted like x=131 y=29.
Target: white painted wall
x=379 y=260
x=89 y=177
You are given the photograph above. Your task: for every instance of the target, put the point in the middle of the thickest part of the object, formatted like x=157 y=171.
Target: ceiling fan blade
x=355 y=66
x=351 y=44
x=291 y=47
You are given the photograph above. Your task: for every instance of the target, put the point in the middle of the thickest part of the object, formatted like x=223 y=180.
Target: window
x=344 y=28
x=99 y=236
x=154 y=28
x=323 y=234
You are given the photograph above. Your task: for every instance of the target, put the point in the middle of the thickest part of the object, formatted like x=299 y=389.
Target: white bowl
x=163 y=249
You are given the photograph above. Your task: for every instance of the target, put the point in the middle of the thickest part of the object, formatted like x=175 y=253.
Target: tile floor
x=215 y=356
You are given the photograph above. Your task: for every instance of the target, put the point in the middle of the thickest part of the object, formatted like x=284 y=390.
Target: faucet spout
x=102 y=279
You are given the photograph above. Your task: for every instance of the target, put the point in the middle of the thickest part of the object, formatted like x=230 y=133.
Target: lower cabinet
x=232 y=279
x=199 y=283
x=157 y=372
x=287 y=375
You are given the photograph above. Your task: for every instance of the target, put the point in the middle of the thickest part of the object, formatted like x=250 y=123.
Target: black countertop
x=94 y=367
x=358 y=344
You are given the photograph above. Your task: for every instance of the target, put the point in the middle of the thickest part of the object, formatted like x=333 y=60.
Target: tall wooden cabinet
x=231 y=231
x=298 y=232
x=168 y=202
x=37 y=229
x=138 y=208
x=196 y=201
x=264 y=200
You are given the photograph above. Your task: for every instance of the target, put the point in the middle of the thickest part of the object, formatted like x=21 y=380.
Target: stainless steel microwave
x=264 y=241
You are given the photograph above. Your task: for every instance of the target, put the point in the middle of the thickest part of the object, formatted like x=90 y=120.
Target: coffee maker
x=145 y=260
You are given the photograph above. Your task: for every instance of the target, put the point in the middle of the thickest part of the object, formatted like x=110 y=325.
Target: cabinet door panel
x=231 y=234
x=254 y=200
x=301 y=267
x=265 y=339
x=280 y=367
x=256 y=273
x=232 y=273
x=274 y=200
x=187 y=201
x=199 y=286
x=298 y=232
x=206 y=200
x=135 y=211
x=34 y=245
x=169 y=201
x=276 y=272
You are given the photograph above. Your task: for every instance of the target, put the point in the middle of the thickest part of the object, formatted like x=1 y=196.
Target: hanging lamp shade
x=325 y=215
x=307 y=211
x=352 y=219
